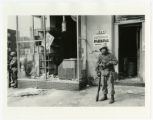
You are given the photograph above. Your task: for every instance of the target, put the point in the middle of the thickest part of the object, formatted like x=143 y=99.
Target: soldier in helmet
x=13 y=70
x=8 y=65
x=105 y=65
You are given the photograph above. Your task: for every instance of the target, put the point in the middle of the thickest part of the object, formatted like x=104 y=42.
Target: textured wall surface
x=93 y=24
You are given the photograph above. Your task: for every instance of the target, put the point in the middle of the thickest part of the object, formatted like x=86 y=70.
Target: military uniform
x=13 y=70
x=105 y=65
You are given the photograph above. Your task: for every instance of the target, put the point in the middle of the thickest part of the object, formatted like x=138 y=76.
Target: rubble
x=26 y=92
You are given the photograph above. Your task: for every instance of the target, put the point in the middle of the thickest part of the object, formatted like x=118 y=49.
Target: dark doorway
x=129 y=50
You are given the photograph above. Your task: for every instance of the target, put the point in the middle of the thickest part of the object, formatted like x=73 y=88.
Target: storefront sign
x=100 y=39
x=119 y=18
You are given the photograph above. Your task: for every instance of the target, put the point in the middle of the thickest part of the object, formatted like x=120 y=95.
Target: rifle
x=97 y=96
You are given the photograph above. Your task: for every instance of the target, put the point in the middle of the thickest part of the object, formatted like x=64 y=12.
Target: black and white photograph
x=76 y=60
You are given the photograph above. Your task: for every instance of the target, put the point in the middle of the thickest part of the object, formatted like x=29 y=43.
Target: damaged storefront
x=61 y=51
x=46 y=49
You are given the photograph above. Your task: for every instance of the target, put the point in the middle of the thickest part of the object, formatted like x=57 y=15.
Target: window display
x=43 y=46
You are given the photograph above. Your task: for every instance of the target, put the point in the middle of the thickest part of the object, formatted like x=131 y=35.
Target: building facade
x=123 y=35
x=61 y=51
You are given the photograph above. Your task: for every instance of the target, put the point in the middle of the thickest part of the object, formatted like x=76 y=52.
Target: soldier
x=8 y=66
x=105 y=65
x=13 y=70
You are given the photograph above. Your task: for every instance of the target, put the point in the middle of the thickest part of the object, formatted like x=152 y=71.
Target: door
x=129 y=50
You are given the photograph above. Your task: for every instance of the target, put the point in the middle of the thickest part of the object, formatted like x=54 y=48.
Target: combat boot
x=112 y=99
x=104 y=98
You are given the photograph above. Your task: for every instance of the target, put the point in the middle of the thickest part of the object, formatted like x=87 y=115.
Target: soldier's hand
x=102 y=65
x=111 y=62
x=98 y=74
x=107 y=64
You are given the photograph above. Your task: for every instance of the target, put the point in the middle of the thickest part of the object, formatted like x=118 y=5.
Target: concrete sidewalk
x=125 y=96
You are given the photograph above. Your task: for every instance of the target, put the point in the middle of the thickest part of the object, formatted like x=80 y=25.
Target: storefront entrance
x=129 y=50
x=47 y=51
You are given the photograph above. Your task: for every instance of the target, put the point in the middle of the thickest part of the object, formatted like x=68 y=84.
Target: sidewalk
x=125 y=96
x=130 y=82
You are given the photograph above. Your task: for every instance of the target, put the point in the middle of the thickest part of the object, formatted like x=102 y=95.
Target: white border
x=75 y=8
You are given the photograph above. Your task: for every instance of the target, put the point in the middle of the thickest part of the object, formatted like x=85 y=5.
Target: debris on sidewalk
x=125 y=96
x=130 y=91
x=135 y=92
x=26 y=92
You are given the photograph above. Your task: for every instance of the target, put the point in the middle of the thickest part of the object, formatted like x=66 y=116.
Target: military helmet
x=13 y=54
x=104 y=47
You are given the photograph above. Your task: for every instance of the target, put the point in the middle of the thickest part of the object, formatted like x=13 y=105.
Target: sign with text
x=100 y=39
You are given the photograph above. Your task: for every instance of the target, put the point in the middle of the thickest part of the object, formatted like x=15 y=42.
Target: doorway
x=129 y=50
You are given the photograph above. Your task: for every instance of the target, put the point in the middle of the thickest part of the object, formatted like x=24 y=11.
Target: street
x=125 y=96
